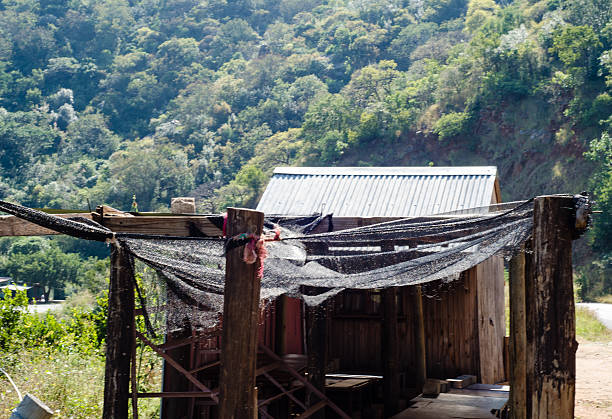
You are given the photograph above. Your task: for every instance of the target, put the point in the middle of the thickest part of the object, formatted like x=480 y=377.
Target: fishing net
x=183 y=289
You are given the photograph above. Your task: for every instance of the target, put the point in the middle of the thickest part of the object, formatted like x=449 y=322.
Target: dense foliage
x=104 y=100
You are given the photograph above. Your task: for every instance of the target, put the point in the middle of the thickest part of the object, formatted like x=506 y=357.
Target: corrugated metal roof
x=377 y=191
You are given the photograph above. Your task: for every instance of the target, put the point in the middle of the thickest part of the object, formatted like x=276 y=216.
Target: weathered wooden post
x=240 y=316
x=120 y=335
x=420 y=353
x=518 y=336
x=549 y=356
x=316 y=346
x=390 y=352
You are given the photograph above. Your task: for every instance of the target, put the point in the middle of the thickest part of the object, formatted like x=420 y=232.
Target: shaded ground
x=593 y=400
x=593 y=375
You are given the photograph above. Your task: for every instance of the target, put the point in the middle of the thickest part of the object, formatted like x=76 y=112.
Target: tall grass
x=588 y=327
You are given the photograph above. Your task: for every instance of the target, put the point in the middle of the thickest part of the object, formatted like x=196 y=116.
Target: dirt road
x=602 y=311
x=593 y=375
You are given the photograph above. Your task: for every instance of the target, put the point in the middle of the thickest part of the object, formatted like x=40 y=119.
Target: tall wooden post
x=518 y=337
x=316 y=346
x=390 y=353
x=119 y=335
x=280 y=332
x=550 y=317
x=240 y=316
x=420 y=353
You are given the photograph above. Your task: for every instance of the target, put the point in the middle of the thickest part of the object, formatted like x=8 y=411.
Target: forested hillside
x=102 y=101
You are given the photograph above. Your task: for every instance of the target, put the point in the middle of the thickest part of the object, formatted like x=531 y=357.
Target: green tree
x=600 y=152
x=41 y=264
x=154 y=171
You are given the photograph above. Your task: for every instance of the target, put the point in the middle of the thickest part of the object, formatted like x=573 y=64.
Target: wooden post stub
x=31 y=408
x=240 y=317
x=551 y=346
x=390 y=352
x=119 y=335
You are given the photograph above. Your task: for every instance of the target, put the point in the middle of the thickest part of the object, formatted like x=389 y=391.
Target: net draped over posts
x=313 y=267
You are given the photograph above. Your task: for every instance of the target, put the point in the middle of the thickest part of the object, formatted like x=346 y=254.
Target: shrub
x=451 y=125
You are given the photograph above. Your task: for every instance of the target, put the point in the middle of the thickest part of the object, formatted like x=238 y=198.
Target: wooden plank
x=166 y=225
x=518 y=337
x=462 y=381
x=280 y=331
x=390 y=352
x=14 y=226
x=491 y=323
x=316 y=342
x=552 y=379
x=240 y=317
x=176 y=394
x=312 y=410
x=420 y=353
x=119 y=336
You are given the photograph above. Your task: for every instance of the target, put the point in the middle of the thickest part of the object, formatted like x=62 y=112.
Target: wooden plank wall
x=491 y=319
x=450 y=315
x=450 y=328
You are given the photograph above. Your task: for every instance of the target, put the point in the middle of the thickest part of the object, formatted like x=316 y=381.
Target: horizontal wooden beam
x=169 y=395
x=167 y=225
x=14 y=226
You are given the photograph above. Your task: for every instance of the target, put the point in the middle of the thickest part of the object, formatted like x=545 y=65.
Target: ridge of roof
x=389 y=171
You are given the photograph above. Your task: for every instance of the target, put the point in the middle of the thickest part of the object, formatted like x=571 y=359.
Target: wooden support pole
x=390 y=352
x=240 y=316
x=518 y=336
x=551 y=325
x=420 y=353
x=119 y=335
x=316 y=346
x=280 y=332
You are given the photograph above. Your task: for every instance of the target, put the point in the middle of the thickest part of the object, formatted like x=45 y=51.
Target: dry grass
x=604 y=299
x=71 y=384
x=588 y=327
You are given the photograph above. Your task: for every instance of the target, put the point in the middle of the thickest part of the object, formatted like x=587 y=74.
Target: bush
x=451 y=125
x=82 y=331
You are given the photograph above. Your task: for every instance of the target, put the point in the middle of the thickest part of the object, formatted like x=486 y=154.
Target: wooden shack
x=464 y=322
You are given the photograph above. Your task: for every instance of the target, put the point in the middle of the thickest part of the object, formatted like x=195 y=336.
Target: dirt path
x=593 y=376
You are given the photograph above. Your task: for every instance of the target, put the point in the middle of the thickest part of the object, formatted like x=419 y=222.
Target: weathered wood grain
x=120 y=336
x=240 y=315
x=518 y=336
x=390 y=352
x=13 y=226
x=551 y=384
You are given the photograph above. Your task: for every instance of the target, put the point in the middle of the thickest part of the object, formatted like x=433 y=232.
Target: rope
x=12 y=383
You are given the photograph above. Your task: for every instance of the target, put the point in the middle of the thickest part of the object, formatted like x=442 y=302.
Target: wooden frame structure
x=542 y=341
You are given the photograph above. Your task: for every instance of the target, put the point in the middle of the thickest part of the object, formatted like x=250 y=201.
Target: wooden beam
x=13 y=226
x=420 y=353
x=390 y=352
x=167 y=225
x=551 y=376
x=240 y=316
x=119 y=336
x=518 y=337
